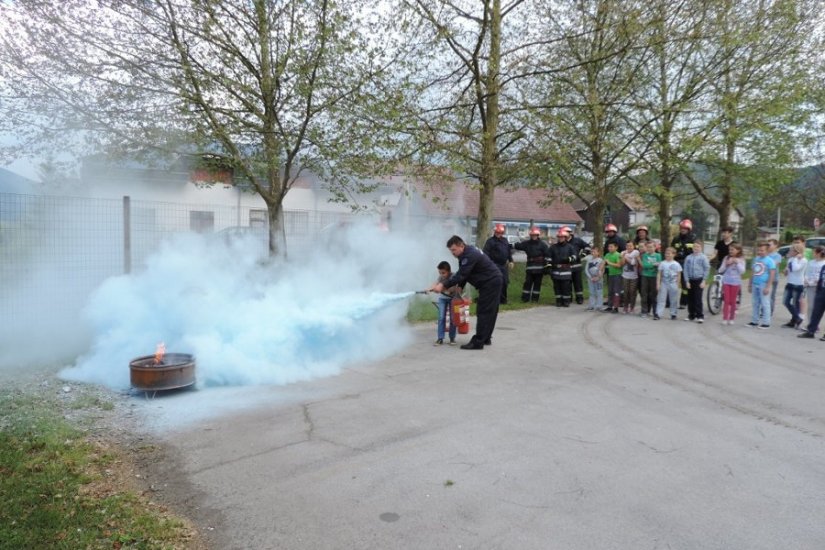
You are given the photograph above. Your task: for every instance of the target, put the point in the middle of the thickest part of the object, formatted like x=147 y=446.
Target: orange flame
x=159 y=353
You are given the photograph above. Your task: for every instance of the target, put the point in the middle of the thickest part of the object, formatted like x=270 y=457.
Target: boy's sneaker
x=673 y=318
x=730 y=322
x=655 y=317
x=688 y=319
x=452 y=341
x=700 y=320
x=615 y=310
x=763 y=327
x=439 y=342
x=752 y=324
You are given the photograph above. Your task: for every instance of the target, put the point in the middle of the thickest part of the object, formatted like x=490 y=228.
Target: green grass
x=53 y=490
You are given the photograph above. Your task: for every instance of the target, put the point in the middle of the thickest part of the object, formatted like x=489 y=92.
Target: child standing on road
x=795 y=284
x=773 y=254
x=669 y=283
x=697 y=269
x=759 y=285
x=812 y=270
x=613 y=261
x=650 y=268
x=732 y=268
x=595 y=278
x=630 y=277
x=445 y=299
x=819 y=297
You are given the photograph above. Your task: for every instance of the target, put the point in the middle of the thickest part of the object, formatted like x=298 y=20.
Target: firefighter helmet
x=566 y=229
x=642 y=228
x=534 y=231
x=563 y=232
x=499 y=229
x=610 y=227
x=686 y=224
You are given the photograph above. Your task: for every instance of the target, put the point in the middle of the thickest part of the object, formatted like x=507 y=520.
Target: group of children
x=643 y=272
x=659 y=281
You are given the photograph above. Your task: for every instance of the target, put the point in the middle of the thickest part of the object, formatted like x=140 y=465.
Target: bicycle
x=715 y=298
x=714 y=295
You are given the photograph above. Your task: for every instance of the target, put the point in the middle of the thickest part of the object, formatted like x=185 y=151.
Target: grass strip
x=60 y=489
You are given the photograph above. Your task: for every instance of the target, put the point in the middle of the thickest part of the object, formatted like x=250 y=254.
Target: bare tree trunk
x=489 y=151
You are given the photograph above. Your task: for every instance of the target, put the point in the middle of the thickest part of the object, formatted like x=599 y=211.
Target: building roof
x=521 y=204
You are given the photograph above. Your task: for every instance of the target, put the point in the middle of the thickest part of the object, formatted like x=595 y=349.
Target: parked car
x=811 y=242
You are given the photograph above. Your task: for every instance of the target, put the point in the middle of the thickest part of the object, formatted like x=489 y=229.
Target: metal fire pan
x=177 y=370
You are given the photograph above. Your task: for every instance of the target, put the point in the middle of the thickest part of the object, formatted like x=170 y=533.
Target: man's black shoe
x=488 y=342
x=805 y=334
x=579 y=300
x=472 y=344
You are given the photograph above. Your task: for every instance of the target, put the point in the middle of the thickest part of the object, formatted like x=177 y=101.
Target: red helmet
x=610 y=227
x=685 y=224
x=499 y=228
x=563 y=232
x=642 y=228
x=566 y=229
x=535 y=231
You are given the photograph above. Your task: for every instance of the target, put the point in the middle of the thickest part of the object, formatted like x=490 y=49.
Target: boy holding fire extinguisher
x=445 y=299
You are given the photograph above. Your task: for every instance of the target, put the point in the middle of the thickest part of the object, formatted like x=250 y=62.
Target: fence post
x=127 y=235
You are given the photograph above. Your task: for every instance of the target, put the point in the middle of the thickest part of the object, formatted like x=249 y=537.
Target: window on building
x=258 y=217
x=201 y=221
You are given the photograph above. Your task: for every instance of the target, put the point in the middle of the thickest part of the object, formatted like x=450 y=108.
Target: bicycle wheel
x=714 y=297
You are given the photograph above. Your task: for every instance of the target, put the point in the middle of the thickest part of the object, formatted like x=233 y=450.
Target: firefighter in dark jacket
x=582 y=250
x=480 y=271
x=611 y=235
x=499 y=250
x=683 y=243
x=536 y=251
x=560 y=260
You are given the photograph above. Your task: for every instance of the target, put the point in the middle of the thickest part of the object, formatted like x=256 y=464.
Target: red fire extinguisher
x=460 y=314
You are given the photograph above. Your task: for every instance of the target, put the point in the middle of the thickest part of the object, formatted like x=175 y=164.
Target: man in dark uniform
x=582 y=250
x=561 y=258
x=611 y=235
x=536 y=251
x=480 y=271
x=498 y=249
x=683 y=243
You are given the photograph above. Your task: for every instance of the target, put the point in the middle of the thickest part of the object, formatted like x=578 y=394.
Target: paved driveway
x=575 y=430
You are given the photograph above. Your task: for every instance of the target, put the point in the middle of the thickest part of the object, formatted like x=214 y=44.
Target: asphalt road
x=574 y=430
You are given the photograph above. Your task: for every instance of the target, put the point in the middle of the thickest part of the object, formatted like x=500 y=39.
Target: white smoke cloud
x=249 y=321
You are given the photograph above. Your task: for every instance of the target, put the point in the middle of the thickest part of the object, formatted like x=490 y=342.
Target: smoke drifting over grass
x=251 y=321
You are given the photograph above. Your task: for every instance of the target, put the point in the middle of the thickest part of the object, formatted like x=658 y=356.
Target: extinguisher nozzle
x=422 y=291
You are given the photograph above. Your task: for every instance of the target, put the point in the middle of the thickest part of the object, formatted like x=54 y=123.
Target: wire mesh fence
x=55 y=250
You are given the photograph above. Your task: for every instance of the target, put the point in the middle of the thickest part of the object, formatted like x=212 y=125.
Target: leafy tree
x=678 y=75
x=591 y=130
x=268 y=88
x=473 y=71
x=756 y=103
